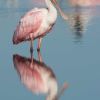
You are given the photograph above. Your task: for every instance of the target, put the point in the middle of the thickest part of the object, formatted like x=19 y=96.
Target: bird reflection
x=37 y=76
x=79 y=20
x=77 y=25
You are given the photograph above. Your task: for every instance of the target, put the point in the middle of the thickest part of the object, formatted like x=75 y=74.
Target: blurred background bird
x=78 y=14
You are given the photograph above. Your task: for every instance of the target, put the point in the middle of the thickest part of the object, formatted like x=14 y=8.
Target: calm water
x=71 y=50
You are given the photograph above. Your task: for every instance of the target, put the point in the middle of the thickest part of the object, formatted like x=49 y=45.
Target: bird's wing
x=29 y=23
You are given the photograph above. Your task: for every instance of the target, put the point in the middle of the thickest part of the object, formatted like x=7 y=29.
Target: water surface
x=73 y=58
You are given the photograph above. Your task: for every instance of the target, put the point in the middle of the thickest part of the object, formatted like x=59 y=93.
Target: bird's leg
x=31 y=44
x=39 y=56
x=31 y=52
x=39 y=44
x=31 y=64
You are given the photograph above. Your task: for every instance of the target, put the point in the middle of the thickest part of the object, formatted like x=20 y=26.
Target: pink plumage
x=28 y=24
x=85 y=2
x=30 y=77
x=35 y=24
x=36 y=75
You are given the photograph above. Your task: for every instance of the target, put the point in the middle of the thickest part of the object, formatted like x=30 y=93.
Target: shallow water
x=73 y=58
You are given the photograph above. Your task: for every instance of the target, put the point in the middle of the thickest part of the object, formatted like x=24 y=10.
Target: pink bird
x=37 y=76
x=85 y=2
x=36 y=24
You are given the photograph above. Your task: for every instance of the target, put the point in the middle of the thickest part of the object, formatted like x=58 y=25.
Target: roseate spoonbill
x=85 y=2
x=36 y=24
x=37 y=76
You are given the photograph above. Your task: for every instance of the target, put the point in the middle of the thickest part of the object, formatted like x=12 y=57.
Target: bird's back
x=28 y=24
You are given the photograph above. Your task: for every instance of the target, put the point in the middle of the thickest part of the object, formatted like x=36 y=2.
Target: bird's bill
x=60 y=10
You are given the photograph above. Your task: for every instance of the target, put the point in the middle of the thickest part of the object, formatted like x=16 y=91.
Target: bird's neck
x=50 y=7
